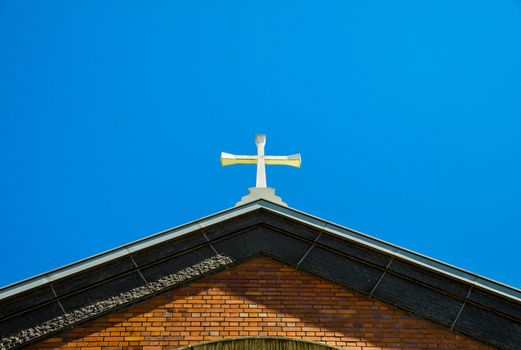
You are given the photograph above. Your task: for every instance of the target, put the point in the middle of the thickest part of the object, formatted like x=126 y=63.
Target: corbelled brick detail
x=260 y=297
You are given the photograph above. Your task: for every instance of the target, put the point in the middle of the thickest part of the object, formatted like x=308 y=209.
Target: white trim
x=309 y=220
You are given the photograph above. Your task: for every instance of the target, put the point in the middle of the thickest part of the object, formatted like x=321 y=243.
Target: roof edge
x=305 y=218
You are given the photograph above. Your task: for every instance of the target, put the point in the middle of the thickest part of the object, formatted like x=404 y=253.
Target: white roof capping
x=346 y=233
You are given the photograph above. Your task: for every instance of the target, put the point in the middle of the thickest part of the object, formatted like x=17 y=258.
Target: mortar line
x=57 y=299
x=381 y=277
x=139 y=271
x=306 y=254
x=461 y=309
x=211 y=245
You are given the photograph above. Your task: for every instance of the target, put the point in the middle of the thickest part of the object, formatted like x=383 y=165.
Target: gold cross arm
x=261 y=160
x=231 y=159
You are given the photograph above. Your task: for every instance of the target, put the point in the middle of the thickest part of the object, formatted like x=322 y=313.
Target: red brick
x=260 y=298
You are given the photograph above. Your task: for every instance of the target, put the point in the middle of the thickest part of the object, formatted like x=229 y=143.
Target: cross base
x=266 y=193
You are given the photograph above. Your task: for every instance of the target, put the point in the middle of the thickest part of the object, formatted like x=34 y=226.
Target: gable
x=469 y=304
x=260 y=298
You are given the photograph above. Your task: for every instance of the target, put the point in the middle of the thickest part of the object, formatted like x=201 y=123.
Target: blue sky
x=407 y=115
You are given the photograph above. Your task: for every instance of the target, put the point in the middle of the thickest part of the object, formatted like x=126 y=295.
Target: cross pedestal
x=255 y=193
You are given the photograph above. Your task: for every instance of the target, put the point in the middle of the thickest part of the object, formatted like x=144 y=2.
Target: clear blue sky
x=407 y=114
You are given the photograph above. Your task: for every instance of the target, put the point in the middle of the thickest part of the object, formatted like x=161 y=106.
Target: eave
x=467 y=303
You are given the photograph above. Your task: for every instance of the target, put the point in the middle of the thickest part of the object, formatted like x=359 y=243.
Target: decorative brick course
x=260 y=297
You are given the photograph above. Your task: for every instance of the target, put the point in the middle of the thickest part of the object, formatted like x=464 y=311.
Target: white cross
x=260 y=159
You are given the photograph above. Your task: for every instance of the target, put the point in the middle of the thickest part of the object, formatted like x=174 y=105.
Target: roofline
x=122 y=250
x=310 y=220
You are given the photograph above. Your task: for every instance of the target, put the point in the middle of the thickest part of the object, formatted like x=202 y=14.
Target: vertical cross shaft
x=260 y=140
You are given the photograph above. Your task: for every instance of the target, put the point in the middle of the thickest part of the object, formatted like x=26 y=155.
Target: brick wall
x=260 y=298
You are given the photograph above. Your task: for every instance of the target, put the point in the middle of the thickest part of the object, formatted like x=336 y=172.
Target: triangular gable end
x=251 y=303
x=36 y=308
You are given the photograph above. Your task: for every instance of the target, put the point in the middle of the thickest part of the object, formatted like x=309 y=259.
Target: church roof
x=36 y=308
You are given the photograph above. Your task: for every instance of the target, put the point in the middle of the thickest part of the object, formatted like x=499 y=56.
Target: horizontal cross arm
x=230 y=159
x=292 y=160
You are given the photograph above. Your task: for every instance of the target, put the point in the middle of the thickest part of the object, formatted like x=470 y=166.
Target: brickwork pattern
x=260 y=297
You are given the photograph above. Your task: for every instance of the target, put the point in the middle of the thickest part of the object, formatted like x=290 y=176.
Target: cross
x=261 y=160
